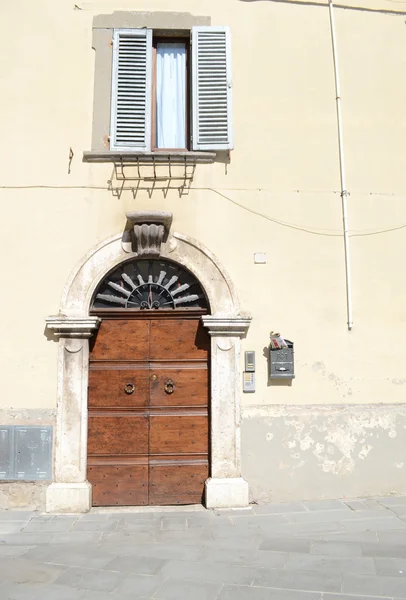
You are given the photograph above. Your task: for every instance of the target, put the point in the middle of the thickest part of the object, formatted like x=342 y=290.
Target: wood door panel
x=177 y=484
x=117 y=434
x=119 y=485
x=106 y=388
x=121 y=340
x=148 y=447
x=180 y=434
x=191 y=386
x=178 y=339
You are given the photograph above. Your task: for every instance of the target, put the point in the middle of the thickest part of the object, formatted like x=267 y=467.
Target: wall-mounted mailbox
x=281 y=363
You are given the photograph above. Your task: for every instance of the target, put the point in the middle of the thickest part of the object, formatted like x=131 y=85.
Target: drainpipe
x=342 y=168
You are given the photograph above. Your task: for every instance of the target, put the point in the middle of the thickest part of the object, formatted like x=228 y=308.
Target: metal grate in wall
x=25 y=452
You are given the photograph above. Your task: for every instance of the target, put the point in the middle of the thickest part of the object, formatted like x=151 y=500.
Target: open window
x=171 y=93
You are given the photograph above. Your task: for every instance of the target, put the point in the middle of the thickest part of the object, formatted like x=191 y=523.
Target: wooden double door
x=148 y=420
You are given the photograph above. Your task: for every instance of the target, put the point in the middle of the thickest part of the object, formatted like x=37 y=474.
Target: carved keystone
x=145 y=231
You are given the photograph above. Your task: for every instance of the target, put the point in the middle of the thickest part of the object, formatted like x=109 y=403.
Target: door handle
x=129 y=388
x=169 y=387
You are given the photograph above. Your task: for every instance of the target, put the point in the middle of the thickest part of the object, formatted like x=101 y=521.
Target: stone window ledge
x=102 y=156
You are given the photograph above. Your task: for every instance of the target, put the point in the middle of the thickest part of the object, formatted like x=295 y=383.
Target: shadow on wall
x=157 y=174
x=163 y=175
x=50 y=335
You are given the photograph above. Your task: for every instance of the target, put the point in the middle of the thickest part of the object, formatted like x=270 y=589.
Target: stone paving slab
x=89 y=579
x=173 y=589
x=281 y=544
x=16 y=515
x=393 y=567
x=25 y=539
x=82 y=555
x=359 y=536
x=392 y=500
x=136 y=564
x=255 y=593
x=377 y=524
x=108 y=525
x=23 y=571
x=140 y=585
x=286 y=508
x=315 y=527
x=384 y=550
x=340 y=515
x=394 y=587
x=247 y=558
x=391 y=537
x=325 y=505
x=368 y=504
x=54 y=526
x=298 y=580
x=350 y=597
x=329 y=564
x=79 y=537
x=400 y=511
x=11 y=526
x=337 y=548
x=208 y=571
x=325 y=550
x=14 y=551
x=39 y=592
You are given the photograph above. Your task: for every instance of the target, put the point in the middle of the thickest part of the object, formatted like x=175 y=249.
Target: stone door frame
x=70 y=491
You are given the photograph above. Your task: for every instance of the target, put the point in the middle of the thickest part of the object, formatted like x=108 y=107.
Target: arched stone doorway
x=75 y=325
x=148 y=405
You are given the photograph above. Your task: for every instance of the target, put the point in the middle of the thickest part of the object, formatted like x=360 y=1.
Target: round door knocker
x=169 y=387
x=129 y=388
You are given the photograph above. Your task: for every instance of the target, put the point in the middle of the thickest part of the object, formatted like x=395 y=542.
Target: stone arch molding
x=179 y=248
x=73 y=326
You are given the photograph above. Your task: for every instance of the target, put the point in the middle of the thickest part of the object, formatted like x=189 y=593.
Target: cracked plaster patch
x=342 y=444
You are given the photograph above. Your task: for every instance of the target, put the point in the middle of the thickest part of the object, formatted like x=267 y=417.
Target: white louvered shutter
x=211 y=89
x=130 y=127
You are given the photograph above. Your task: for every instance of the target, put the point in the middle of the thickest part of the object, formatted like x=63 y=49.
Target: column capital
x=72 y=327
x=227 y=326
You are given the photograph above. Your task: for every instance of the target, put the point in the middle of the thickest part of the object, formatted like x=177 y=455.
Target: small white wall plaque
x=260 y=258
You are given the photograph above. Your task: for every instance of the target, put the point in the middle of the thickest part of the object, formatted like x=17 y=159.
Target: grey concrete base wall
x=314 y=452
x=23 y=494
x=27 y=416
x=289 y=453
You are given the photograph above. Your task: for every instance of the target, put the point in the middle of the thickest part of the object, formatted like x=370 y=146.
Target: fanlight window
x=149 y=285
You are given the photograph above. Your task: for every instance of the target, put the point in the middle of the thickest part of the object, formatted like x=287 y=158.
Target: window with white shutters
x=208 y=119
x=211 y=88
x=131 y=90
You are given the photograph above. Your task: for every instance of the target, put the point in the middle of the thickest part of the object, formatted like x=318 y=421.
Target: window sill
x=173 y=156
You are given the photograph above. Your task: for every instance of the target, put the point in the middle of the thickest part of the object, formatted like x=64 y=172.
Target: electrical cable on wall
x=320 y=232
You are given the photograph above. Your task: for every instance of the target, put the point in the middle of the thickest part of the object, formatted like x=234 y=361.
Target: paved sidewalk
x=329 y=550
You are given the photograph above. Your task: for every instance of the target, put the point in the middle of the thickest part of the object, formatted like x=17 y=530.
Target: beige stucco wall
x=280 y=194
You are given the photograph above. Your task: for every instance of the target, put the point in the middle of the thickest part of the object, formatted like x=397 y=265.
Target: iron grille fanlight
x=149 y=285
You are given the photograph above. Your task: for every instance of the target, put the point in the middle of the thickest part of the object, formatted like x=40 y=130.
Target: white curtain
x=171 y=95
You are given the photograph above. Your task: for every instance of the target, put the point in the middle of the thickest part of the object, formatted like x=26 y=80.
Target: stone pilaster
x=70 y=491
x=226 y=487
